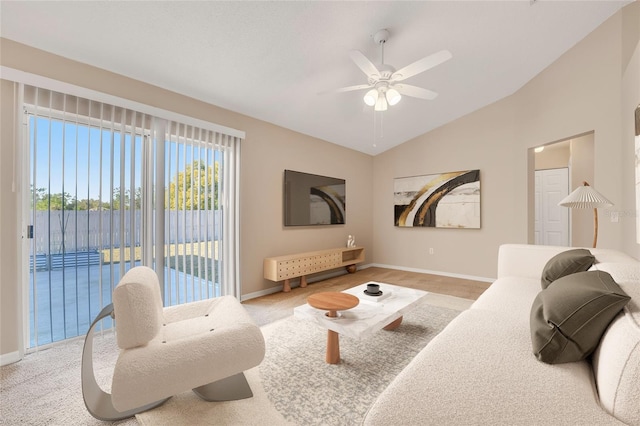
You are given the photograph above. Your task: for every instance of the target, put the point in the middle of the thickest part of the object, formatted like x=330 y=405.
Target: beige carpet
x=44 y=387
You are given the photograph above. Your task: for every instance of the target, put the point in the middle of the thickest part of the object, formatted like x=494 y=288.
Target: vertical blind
x=201 y=207
x=112 y=188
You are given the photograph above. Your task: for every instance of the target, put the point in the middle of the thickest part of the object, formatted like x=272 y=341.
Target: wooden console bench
x=302 y=264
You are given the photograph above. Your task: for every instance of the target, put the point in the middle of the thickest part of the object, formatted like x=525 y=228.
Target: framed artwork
x=444 y=200
x=637 y=127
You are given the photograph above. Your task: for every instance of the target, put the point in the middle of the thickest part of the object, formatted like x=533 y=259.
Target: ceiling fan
x=384 y=81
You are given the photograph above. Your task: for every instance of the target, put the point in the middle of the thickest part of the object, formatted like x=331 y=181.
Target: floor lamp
x=585 y=197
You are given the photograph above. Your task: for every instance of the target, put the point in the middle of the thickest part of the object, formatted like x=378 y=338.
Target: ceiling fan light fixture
x=381 y=104
x=371 y=97
x=393 y=96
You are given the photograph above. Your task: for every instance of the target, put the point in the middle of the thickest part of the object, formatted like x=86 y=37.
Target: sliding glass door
x=86 y=179
x=110 y=189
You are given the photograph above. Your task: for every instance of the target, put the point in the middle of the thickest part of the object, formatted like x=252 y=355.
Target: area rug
x=294 y=386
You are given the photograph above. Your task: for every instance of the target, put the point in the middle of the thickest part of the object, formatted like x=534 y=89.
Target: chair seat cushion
x=191 y=351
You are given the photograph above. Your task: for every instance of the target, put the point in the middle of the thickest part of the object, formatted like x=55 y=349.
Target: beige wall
x=629 y=102
x=554 y=156
x=266 y=152
x=9 y=274
x=579 y=93
x=581 y=167
x=482 y=140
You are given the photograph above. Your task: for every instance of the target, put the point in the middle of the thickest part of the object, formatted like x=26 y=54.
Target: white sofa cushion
x=621 y=272
x=616 y=362
x=510 y=295
x=480 y=370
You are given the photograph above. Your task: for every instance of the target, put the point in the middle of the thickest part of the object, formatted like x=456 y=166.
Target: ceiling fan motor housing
x=381 y=36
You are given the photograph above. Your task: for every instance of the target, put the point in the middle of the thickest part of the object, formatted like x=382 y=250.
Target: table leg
x=393 y=325
x=286 y=286
x=333 y=343
x=333 y=347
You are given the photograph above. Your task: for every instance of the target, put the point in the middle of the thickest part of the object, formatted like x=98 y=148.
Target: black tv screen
x=313 y=199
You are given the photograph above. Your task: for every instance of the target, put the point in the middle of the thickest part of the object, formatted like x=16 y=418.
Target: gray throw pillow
x=565 y=263
x=569 y=317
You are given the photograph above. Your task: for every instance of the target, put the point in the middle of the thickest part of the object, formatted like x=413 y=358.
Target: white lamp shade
x=371 y=97
x=393 y=97
x=585 y=197
x=381 y=104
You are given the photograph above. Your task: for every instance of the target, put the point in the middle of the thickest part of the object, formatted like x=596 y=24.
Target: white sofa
x=481 y=369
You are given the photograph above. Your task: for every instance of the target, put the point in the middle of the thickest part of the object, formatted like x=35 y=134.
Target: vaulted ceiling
x=270 y=60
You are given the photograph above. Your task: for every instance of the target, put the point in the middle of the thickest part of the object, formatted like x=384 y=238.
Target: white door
x=552 y=220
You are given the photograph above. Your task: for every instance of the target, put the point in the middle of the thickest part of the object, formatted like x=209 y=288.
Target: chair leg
x=97 y=401
x=228 y=389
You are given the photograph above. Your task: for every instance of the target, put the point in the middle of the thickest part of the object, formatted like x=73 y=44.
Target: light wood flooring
x=279 y=305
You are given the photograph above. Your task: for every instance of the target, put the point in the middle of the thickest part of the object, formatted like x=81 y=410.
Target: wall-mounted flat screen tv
x=313 y=199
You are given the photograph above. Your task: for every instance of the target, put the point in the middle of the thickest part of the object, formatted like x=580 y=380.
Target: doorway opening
x=556 y=169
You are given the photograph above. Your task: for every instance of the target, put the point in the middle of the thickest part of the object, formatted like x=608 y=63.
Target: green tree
x=37 y=197
x=45 y=201
x=116 y=202
x=92 y=204
x=196 y=187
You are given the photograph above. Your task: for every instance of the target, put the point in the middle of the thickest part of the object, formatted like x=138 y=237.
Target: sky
x=68 y=157
x=79 y=160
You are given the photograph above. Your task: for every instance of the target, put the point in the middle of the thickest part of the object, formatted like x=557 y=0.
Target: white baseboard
x=9 y=358
x=261 y=293
x=428 y=271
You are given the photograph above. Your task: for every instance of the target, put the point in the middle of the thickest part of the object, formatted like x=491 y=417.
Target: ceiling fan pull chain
x=374 y=129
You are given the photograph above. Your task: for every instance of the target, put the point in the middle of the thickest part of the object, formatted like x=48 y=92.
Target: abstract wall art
x=444 y=200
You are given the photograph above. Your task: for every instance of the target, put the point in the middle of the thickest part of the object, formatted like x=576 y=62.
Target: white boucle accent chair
x=202 y=346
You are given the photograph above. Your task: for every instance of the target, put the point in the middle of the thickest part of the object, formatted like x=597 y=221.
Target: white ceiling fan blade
x=415 y=92
x=421 y=65
x=346 y=89
x=364 y=63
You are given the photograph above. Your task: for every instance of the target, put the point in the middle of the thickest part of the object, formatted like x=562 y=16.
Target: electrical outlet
x=430 y=250
x=614 y=217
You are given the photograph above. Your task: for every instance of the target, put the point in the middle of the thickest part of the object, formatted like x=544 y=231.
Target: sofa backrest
x=528 y=261
x=137 y=305
x=616 y=361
